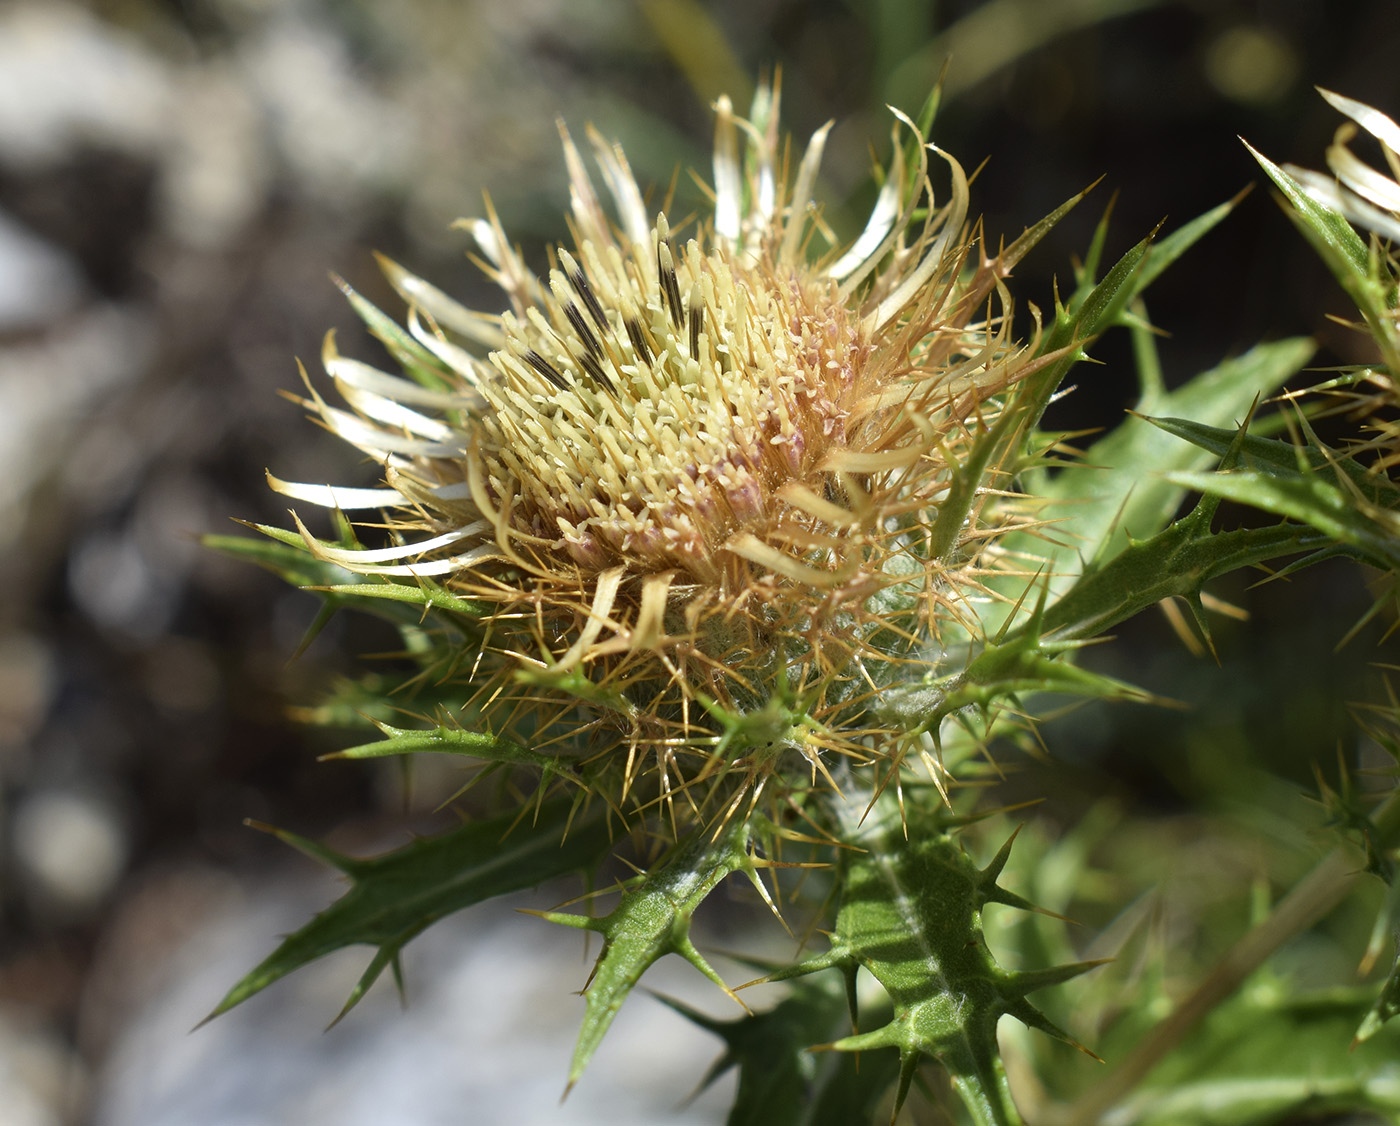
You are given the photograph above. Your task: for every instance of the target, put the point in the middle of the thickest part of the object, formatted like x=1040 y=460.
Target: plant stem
x=1313 y=897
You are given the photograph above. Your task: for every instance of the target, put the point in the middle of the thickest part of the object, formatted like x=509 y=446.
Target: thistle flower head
x=693 y=473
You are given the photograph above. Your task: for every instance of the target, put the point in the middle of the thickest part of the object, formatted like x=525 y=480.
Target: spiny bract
x=694 y=480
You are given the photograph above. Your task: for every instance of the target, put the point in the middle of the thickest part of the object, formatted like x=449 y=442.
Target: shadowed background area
x=177 y=181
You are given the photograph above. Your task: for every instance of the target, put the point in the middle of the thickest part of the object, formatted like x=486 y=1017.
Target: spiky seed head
x=694 y=472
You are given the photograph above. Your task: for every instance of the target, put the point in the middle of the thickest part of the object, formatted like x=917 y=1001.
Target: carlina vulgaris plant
x=740 y=545
x=704 y=477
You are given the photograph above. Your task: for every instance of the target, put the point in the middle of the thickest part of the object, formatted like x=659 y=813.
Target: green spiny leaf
x=1092 y=309
x=1032 y=235
x=1283 y=459
x=1352 y=263
x=396 y=896
x=1119 y=489
x=454 y=741
x=1338 y=513
x=1343 y=244
x=781 y=1083
x=1004 y=671
x=1105 y=302
x=910 y=915
x=651 y=921
x=1175 y=563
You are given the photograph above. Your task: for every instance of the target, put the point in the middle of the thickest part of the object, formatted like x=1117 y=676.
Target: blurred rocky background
x=178 y=180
